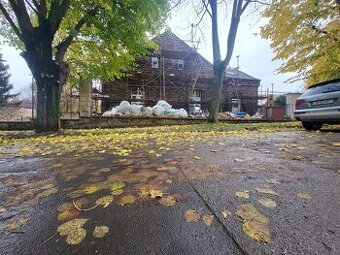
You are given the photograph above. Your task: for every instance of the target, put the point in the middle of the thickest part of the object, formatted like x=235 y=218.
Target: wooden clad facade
x=178 y=74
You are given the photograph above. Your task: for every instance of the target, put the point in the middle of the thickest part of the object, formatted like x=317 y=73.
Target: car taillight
x=299 y=102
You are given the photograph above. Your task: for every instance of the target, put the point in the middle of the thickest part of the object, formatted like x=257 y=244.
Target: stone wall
x=106 y=122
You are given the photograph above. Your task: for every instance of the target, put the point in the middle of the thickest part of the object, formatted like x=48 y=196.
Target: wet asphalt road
x=288 y=162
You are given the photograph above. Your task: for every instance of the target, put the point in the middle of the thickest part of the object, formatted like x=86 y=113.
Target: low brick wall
x=109 y=122
x=114 y=122
x=16 y=125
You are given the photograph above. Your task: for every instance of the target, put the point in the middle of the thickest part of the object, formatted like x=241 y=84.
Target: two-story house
x=175 y=72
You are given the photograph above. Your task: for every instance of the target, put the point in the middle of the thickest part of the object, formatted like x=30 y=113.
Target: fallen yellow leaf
x=13 y=225
x=90 y=189
x=267 y=202
x=76 y=236
x=208 y=219
x=266 y=191
x=47 y=192
x=257 y=231
x=104 y=201
x=304 y=195
x=242 y=194
x=129 y=199
x=226 y=214
x=192 y=215
x=117 y=192
x=68 y=214
x=255 y=224
x=100 y=231
x=168 y=201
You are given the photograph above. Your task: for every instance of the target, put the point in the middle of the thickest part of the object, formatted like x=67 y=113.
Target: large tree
x=5 y=85
x=212 y=7
x=46 y=29
x=305 y=34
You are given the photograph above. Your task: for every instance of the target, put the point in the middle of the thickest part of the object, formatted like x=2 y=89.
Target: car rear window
x=326 y=88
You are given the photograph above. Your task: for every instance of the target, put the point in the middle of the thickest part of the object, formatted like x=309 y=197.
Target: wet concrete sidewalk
x=300 y=168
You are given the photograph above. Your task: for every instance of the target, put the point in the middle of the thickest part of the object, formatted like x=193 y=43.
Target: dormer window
x=180 y=64
x=154 y=62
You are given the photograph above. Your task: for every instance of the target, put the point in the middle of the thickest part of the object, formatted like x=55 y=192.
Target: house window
x=196 y=95
x=137 y=92
x=180 y=64
x=154 y=62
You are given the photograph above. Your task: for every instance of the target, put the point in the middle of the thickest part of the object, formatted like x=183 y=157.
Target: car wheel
x=311 y=125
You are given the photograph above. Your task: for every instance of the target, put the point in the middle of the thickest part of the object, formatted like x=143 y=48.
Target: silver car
x=318 y=105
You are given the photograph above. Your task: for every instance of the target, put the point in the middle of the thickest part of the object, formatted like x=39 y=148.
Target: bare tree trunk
x=215 y=97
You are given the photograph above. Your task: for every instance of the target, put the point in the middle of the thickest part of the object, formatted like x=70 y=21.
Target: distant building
x=178 y=74
x=17 y=111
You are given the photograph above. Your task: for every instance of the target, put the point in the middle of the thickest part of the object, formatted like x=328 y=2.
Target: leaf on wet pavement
x=299 y=158
x=74 y=230
x=257 y=231
x=13 y=225
x=47 y=192
x=147 y=189
x=76 y=236
x=76 y=193
x=249 y=212
x=105 y=170
x=255 y=224
x=267 y=202
x=208 y=219
x=2 y=209
x=273 y=181
x=129 y=199
x=266 y=191
x=104 y=201
x=67 y=227
x=304 y=196
x=168 y=201
x=197 y=157
x=117 y=186
x=226 y=214
x=90 y=189
x=68 y=214
x=192 y=215
x=100 y=231
x=155 y=193
x=117 y=192
x=48 y=186
x=336 y=144
x=64 y=207
x=242 y=194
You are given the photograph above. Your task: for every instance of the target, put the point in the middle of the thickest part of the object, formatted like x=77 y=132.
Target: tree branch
x=32 y=7
x=260 y=2
x=235 y=20
x=11 y=22
x=63 y=46
x=200 y=20
x=215 y=40
x=57 y=13
x=23 y=19
x=206 y=7
x=245 y=6
x=42 y=9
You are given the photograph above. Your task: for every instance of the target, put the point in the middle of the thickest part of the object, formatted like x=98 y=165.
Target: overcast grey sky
x=255 y=53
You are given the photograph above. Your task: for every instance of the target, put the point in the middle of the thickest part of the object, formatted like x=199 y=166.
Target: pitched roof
x=169 y=42
x=237 y=74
